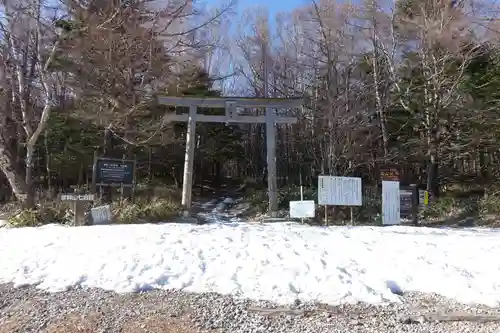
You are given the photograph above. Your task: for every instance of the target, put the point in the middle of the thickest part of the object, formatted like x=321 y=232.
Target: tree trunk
x=379 y=106
x=30 y=154
x=218 y=174
x=432 y=171
x=484 y=166
x=432 y=178
x=108 y=150
x=15 y=179
x=150 y=168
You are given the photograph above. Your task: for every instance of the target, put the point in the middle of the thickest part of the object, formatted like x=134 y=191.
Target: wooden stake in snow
x=78 y=201
x=230 y=104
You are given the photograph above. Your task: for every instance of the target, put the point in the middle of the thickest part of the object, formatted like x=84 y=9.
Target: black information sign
x=405 y=202
x=114 y=172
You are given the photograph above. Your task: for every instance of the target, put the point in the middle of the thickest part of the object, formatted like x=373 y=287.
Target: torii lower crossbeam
x=230 y=105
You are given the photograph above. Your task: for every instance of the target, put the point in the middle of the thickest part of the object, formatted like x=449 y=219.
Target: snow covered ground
x=276 y=262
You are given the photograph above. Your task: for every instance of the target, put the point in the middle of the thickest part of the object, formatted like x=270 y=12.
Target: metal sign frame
x=391 y=203
x=118 y=160
x=297 y=211
x=334 y=185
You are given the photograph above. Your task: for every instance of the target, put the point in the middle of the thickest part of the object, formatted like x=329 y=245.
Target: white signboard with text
x=339 y=191
x=101 y=214
x=77 y=197
x=391 y=213
x=302 y=209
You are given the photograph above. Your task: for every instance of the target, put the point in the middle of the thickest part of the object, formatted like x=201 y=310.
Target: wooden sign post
x=230 y=104
x=79 y=201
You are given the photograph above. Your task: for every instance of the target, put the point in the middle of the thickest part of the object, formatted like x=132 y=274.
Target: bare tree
x=376 y=28
x=312 y=53
x=31 y=42
x=439 y=35
x=135 y=52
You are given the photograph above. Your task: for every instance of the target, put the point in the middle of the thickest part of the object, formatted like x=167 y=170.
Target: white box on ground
x=101 y=214
x=391 y=214
x=302 y=209
x=340 y=191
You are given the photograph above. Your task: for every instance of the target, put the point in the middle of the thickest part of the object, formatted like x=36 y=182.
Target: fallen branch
x=277 y=312
x=439 y=317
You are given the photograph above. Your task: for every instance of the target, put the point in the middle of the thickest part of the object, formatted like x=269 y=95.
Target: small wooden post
x=326 y=215
x=352 y=215
x=124 y=194
x=301 y=193
x=79 y=218
x=414 y=203
x=94 y=172
x=134 y=182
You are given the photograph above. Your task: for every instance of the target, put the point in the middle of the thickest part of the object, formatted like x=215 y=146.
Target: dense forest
x=414 y=85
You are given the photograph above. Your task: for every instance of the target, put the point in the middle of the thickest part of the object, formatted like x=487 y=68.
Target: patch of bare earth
x=91 y=324
x=151 y=324
x=27 y=310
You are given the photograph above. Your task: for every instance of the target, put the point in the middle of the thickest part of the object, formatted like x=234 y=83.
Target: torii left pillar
x=187 y=181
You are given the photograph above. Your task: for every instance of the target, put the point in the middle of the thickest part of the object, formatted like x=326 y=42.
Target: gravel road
x=92 y=311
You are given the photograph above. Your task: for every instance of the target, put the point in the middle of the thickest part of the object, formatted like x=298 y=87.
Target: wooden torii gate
x=230 y=104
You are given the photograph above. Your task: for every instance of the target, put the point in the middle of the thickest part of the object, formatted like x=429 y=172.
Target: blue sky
x=275 y=6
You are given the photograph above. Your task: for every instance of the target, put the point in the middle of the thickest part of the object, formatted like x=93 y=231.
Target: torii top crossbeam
x=221 y=102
